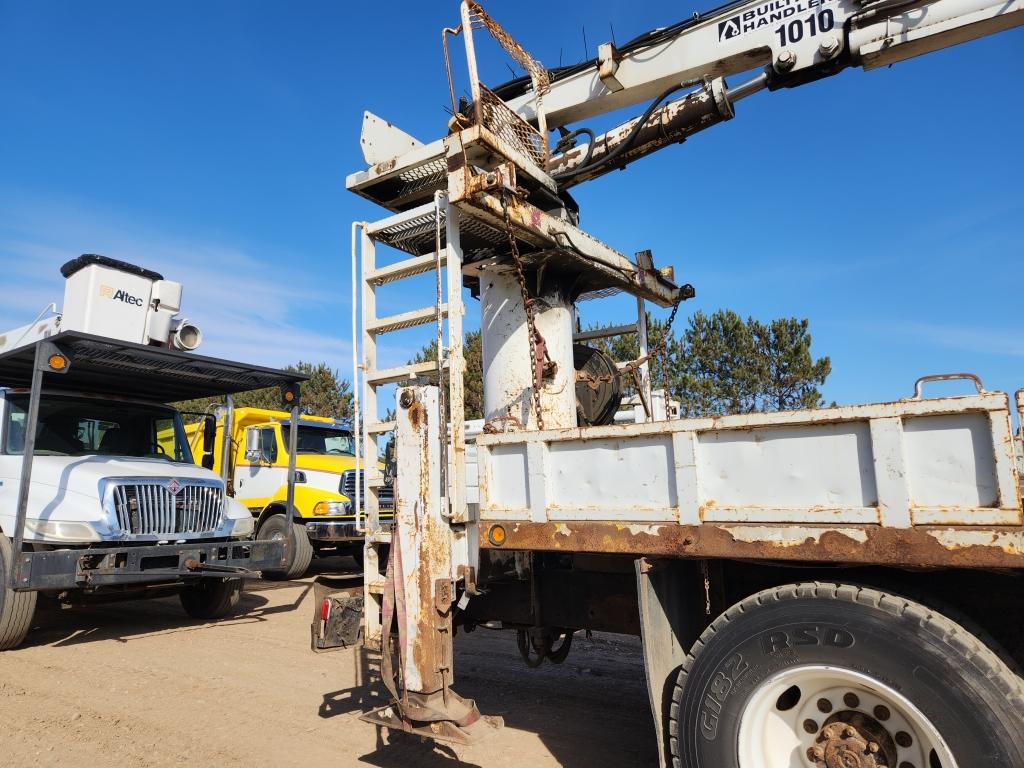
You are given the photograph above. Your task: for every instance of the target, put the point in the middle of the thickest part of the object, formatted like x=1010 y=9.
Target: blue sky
x=211 y=140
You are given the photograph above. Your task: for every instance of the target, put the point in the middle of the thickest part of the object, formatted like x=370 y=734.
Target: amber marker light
x=57 y=362
x=497 y=535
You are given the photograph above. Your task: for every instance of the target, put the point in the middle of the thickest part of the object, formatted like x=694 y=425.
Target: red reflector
x=325 y=609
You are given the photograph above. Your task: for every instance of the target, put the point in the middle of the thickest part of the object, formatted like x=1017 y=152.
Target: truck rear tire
x=275 y=527
x=829 y=674
x=16 y=608
x=211 y=598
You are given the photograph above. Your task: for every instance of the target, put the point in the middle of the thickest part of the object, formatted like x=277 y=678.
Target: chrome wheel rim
x=830 y=717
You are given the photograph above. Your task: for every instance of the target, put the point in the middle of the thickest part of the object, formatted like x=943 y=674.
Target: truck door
x=260 y=474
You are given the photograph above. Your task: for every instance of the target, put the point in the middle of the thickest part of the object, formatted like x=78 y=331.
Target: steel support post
x=31 y=427
x=293 y=446
x=226 y=459
x=507 y=366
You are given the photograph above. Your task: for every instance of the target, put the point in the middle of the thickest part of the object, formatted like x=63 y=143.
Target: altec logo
x=118 y=295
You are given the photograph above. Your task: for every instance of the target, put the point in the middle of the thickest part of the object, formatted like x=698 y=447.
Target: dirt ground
x=139 y=684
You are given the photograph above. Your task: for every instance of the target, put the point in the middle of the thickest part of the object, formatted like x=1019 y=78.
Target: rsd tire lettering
x=809 y=634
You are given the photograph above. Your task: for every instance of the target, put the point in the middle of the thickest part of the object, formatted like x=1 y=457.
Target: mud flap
x=337 y=615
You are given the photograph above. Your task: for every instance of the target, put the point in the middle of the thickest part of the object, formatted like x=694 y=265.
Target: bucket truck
x=99 y=494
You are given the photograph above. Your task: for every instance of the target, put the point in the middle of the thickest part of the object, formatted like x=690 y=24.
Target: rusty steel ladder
x=434 y=226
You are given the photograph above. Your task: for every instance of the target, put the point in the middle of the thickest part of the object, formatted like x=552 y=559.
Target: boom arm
x=796 y=40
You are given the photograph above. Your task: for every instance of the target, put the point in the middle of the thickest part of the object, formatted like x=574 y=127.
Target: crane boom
x=798 y=40
x=485 y=207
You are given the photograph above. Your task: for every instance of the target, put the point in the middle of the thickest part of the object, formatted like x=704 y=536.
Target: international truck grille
x=152 y=508
x=385 y=494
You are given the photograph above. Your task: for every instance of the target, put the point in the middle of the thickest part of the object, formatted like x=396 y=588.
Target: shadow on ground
x=590 y=712
x=99 y=619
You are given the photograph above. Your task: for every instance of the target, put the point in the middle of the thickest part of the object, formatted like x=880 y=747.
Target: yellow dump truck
x=324 y=514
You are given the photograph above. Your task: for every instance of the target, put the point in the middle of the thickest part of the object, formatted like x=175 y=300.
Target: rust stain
x=417 y=416
x=867 y=544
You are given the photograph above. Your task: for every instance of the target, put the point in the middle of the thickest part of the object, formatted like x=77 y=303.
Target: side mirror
x=209 y=433
x=253 y=450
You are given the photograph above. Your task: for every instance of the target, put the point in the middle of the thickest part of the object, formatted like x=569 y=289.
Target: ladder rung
x=375 y=587
x=402 y=220
x=401 y=373
x=405 y=320
x=379 y=427
x=400 y=270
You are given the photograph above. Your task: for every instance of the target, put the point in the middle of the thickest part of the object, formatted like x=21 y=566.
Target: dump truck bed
x=924 y=482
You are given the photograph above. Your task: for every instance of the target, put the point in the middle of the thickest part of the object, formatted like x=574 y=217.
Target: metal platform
x=119 y=368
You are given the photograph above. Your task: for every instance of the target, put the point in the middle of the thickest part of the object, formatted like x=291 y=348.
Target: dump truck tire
x=843 y=675
x=274 y=527
x=16 y=608
x=211 y=598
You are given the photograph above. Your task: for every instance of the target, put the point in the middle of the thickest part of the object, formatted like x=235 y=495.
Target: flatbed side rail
x=943 y=467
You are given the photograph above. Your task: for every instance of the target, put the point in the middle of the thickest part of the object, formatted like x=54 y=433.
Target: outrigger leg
x=422 y=591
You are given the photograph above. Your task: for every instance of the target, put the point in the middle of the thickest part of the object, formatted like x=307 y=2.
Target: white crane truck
x=99 y=494
x=831 y=588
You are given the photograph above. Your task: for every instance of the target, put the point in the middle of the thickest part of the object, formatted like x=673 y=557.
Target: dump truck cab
x=324 y=512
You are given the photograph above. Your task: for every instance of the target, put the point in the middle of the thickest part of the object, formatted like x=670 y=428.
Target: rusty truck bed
x=918 y=482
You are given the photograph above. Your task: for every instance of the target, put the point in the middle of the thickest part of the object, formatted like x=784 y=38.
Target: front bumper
x=338 y=530
x=168 y=563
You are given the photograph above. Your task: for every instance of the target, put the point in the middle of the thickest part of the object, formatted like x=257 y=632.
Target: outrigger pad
x=476 y=728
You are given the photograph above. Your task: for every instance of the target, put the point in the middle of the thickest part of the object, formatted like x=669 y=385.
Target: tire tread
x=985 y=660
x=17 y=609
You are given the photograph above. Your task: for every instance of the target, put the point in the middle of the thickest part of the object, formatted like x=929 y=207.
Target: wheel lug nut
x=815 y=754
x=849 y=733
x=873 y=748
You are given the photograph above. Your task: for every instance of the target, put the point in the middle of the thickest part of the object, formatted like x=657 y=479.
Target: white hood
x=82 y=474
x=68 y=488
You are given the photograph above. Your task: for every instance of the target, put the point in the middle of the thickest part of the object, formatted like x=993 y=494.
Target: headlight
x=324 y=508
x=59 y=530
x=243 y=527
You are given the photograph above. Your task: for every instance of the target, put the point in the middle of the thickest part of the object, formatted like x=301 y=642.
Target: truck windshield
x=70 y=426
x=325 y=440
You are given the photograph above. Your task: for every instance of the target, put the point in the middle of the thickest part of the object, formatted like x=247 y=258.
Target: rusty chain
x=538 y=349
x=632 y=368
x=537 y=72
